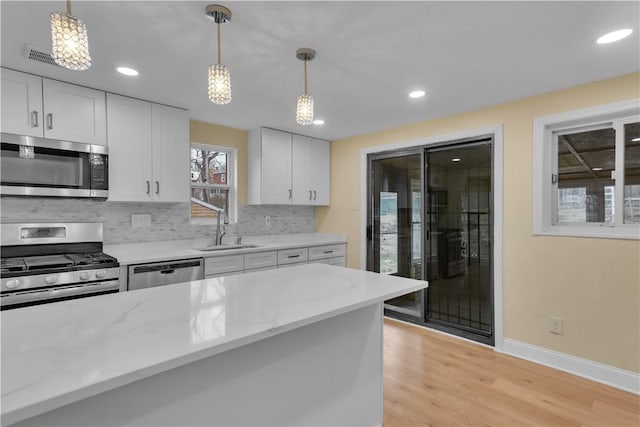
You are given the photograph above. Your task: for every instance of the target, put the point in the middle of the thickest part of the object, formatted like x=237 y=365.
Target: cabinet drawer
x=223 y=264
x=327 y=251
x=339 y=261
x=260 y=260
x=290 y=256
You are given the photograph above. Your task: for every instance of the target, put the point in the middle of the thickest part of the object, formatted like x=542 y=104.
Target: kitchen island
x=288 y=347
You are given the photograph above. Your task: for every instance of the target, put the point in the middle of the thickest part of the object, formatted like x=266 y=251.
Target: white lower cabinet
x=227 y=265
x=327 y=251
x=292 y=256
x=215 y=266
x=261 y=260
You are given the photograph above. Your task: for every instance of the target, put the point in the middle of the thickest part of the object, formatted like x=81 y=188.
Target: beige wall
x=207 y=133
x=593 y=284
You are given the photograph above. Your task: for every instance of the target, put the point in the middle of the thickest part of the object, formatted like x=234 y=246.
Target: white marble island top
x=59 y=353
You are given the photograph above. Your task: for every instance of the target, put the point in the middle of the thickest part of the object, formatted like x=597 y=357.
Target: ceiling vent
x=37 y=54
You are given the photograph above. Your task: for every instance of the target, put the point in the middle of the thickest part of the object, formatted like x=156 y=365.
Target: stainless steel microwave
x=31 y=166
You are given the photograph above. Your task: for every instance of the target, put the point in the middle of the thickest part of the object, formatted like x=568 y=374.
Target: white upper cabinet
x=21 y=103
x=34 y=106
x=148 y=151
x=269 y=167
x=129 y=133
x=170 y=137
x=74 y=113
x=320 y=171
x=302 y=158
x=285 y=168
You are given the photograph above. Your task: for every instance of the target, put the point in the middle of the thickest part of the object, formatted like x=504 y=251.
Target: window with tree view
x=212 y=181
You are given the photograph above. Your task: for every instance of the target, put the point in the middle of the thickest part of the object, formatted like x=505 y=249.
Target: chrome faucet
x=220 y=231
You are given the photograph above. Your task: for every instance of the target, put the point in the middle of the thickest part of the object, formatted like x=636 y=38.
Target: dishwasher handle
x=166 y=267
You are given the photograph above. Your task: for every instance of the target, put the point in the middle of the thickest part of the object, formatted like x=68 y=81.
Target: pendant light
x=304 y=107
x=69 y=42
x=219 y=75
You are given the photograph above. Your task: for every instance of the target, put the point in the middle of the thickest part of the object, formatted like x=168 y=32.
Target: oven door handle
x=62 y=292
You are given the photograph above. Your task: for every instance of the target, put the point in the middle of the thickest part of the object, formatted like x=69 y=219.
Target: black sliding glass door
x=458 y=224
x=430 y=217
x=395 y=227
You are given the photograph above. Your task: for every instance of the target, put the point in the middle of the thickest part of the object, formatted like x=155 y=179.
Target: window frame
x=232 y=181
x=545 y=162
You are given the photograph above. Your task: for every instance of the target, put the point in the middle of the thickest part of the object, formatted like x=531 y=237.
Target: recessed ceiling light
x=596 y=169
x=127 y=71
x=614 y=36
x=456 y=159
x=416 y=94
x=318 y=122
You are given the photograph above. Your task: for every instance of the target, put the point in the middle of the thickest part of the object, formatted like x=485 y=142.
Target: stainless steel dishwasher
x=164 y=273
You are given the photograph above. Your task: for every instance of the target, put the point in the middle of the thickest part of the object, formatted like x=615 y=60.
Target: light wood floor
x=435 y=380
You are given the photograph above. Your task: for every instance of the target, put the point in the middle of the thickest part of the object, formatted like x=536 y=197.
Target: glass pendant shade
x=70 y=45
x=304 y=110
x=219 y=84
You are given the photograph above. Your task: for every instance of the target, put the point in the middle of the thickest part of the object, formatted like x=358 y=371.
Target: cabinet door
x=276 y=167
x=21 y=103
x=129 y=149
x=301 y=170
x=170 y=136
x=321 y=171
x=74 y=113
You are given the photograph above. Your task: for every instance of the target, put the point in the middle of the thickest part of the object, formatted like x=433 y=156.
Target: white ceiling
x=466 y=55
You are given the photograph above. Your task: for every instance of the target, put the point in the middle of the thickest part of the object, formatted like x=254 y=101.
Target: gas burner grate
x=12 y=264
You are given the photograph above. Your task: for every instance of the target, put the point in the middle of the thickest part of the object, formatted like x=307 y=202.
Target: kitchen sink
x=229 y=247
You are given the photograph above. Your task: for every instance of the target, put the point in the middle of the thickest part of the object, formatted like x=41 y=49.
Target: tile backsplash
x=169 y=221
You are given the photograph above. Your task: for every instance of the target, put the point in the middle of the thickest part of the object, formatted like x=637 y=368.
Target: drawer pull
x=294 y=256
x=328 y=252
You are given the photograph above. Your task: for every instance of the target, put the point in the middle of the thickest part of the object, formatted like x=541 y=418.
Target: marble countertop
x=135 y=253
x=56 y=354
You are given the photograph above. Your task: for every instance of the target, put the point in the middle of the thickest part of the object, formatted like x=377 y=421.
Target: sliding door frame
x=498 y=205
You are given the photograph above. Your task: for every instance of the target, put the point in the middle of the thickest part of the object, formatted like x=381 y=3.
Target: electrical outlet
x=555 y=325
x=140 y=220
x=267 y=220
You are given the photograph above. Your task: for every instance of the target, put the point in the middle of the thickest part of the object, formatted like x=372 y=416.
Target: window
x=213 y=182
x=587 y=172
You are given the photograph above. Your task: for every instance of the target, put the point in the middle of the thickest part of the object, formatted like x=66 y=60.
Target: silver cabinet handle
x=158 y=187
x=49 y=121
x=34 y=119
x=314 y=194
x=310 y=194
x=148 y=187
x=290 y=194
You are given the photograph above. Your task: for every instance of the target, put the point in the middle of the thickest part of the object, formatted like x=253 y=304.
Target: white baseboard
x=609 y=375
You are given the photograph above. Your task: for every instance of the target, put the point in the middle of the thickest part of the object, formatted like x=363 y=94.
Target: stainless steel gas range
x=44 y=263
